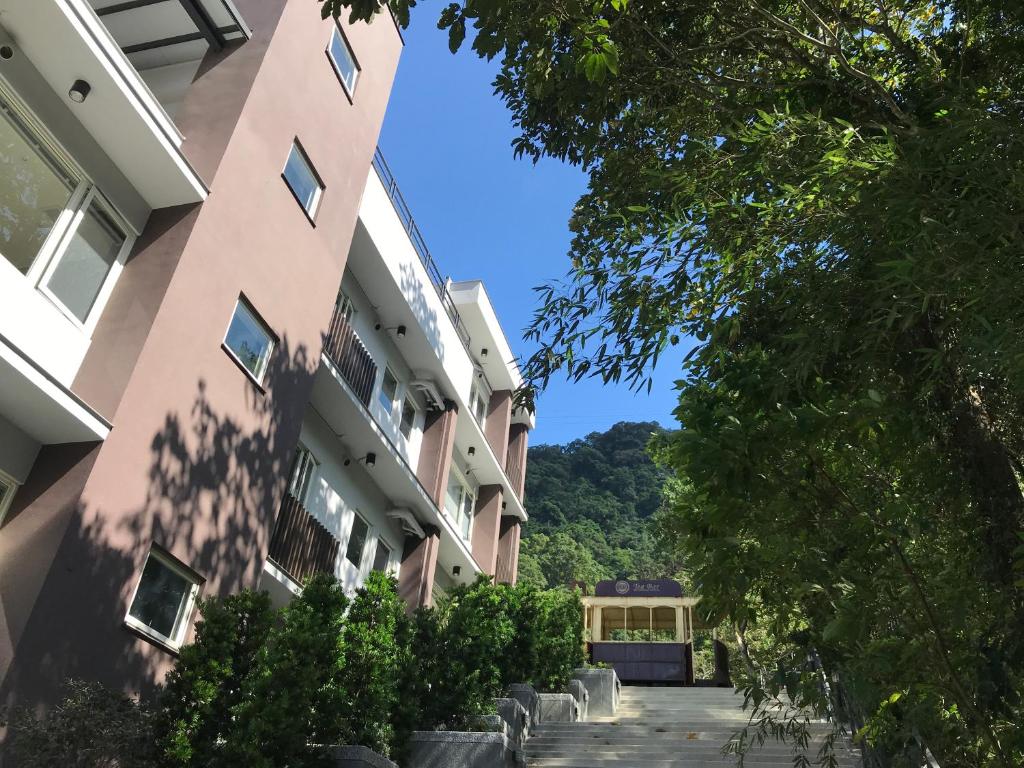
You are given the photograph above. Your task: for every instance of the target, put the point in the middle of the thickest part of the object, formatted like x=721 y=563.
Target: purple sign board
x=638 y=588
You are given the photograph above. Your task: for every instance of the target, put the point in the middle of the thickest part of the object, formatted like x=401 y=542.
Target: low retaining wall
x=579 y=692
x=603 y=687
x=558 y=708
x=527 y=697
x=460 y=749
x=358 y=757
x=516 y=718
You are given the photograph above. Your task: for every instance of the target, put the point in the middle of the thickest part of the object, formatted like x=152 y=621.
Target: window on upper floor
x=161 y=607
x=249 y=340
x=357 y=540
x=7 y=488
x=303 y=181
x=344 y=306
x=55 y=226
x=388 y=391
x=459 y=501
x=382 y=557
x=303 y=471
x=343 y=60
x=409 y=414
x=479 y=399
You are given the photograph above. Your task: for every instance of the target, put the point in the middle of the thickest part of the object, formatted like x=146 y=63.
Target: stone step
x=729 y=761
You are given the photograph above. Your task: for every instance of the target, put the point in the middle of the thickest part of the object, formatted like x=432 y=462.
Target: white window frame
x=357 y=515
x=408 y=398
x=467 y=492
x=345 y=306
x=339 y=33
x=318 y=196
x=482 y=391
x=247 y=305
x=10 y=486
x=66 y=224
x=185 y=610
x=302 y=455
x=389 y=412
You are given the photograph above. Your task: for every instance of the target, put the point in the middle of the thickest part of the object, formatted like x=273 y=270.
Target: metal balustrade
x=351 y=358
x=301 y=545
x=440 y=283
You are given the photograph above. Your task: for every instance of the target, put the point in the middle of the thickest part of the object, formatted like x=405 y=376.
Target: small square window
x=408 y=418
x=164 y=599
x=344 y=61
x=388 y=391
x=249 y=341
x=357 y=541
x=303 y=181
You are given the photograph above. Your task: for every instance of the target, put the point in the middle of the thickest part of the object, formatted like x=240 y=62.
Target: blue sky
x=486 y=215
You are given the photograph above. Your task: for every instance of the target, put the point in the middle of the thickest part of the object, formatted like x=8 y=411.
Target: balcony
x=351 y=358
x=301 y=545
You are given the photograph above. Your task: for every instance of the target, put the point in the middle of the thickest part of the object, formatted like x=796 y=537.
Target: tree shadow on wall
x=214 y=483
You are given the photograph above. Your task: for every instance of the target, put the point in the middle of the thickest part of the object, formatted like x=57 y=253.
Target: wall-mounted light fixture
x=398 y=329
x=369 y=459
x=6 y=52
x=483 y=352
x=504 y=504
x=79 y=91
x=471 y=451
x=456 y=570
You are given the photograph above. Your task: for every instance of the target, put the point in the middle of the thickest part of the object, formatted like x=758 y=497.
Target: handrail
x=387 y=178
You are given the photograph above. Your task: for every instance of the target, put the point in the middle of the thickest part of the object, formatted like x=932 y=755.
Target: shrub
x=378 y=655
x=559 y=638
x=92 y=727
x=293 y=699
x=205 y=685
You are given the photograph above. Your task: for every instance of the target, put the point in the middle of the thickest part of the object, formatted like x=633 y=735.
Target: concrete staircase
x=665 y=728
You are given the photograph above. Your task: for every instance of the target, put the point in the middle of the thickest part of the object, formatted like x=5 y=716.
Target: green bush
x=205 y=686
x=92 y=727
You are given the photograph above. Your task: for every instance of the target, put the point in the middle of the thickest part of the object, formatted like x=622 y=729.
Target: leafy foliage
x=92 y=727
x=590 y=504
x=826 y=196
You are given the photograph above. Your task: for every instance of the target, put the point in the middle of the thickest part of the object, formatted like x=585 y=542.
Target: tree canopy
x=826 y=195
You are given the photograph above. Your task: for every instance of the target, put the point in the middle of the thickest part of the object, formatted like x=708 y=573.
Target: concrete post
x=436 y=451
x=499 y=418
x=416 y=577
x=487 y=527
x=507 y=568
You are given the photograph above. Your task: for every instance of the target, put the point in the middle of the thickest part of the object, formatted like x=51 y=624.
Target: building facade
x=227 y=358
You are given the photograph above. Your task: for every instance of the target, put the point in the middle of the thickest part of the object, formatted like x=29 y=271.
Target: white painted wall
x=18 y=451
x=170 y=84
x=385 y=352
x=30 y=322
x=335 y=495
x=403 y=263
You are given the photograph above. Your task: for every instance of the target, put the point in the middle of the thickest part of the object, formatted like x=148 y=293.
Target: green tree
x=825 y=196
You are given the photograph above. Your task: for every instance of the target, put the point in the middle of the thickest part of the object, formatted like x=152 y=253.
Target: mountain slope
x=590 y=502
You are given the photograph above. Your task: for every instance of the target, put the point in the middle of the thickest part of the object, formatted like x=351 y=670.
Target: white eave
x=66 y=41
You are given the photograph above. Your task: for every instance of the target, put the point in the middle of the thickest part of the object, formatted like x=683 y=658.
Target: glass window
x=302 y=180
x=388 y=391
x=343 y=60
x=303 y=471
x=83 y=267
x=408 y=417
x=382 y=558
x=357 y=541
x=478 y=401
x=249 y=340
x=459 y=502
x=344 y=306
x=34 y=190
x=7 y=488
x=163 y=599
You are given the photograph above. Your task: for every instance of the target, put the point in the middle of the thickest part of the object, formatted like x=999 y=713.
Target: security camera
x=6 y=52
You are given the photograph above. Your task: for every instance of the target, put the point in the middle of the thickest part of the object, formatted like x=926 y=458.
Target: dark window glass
x=357 y=541
x=160 y=597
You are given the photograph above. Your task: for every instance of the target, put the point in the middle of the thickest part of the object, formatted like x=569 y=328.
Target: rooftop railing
x=439 y=282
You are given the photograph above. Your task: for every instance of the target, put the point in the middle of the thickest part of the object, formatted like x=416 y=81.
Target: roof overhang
x=120 y=113
x=40 y=406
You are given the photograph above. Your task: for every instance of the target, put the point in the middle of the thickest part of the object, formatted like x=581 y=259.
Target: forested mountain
x=590 y=504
